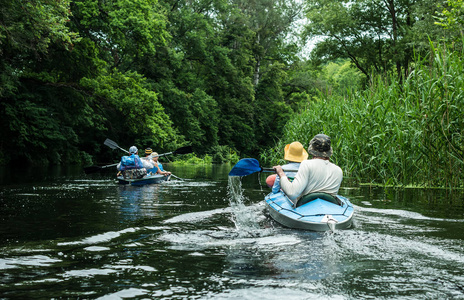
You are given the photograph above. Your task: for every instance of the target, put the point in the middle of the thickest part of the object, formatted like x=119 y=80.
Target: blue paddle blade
x=245 y=167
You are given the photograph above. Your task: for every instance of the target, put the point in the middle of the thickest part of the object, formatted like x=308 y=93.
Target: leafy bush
x=192 y=159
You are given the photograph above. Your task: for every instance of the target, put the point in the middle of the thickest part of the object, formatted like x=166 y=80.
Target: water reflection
x=82 y=236
x=139 y=201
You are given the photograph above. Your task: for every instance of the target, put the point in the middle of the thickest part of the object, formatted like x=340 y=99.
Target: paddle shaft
x=181 y=150
x=177 y=177
x=272 y=170
x=164 y=154
x=107 y=166
x=93 y=169
x=123 y=149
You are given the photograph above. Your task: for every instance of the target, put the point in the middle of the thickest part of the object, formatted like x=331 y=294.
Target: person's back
x=132 y=166
x=315 y=175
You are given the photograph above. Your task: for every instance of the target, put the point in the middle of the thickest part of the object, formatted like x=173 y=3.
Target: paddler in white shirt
x=314 y=175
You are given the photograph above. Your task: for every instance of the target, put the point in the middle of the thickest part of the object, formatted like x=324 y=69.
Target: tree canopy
x=213 y=74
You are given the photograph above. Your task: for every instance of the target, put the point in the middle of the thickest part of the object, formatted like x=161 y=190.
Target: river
x=65 y=234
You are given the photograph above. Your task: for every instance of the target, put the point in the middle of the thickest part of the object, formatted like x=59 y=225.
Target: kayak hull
x=149 y=179
x=317 y=215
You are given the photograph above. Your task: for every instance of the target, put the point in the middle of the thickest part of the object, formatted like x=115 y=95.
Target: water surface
x=64 y=234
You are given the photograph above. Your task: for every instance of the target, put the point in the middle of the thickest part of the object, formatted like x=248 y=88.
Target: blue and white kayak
x=148 y=179
x=316 y=212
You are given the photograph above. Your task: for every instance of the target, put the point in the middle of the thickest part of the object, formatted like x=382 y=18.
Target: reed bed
x=402 y=134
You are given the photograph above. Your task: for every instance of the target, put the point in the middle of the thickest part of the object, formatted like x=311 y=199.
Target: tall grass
x=409 y=133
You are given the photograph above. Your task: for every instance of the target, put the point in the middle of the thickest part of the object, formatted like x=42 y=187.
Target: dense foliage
x=227 y=77
x=212 y=74
x=409 y=133
x=377 y=36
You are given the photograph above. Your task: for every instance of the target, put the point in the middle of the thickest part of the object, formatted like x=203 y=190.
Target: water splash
x=245 y=219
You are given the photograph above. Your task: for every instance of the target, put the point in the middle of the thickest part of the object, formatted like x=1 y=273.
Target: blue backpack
x=131 y=162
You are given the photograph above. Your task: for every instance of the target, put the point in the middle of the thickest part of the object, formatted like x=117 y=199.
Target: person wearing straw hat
x=294 y=153
x=314 y=175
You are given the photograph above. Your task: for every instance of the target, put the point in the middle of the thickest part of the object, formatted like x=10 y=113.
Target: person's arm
x=295 y=188
x=159 y=171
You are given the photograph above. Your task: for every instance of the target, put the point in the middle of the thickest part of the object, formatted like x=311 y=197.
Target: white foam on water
x=87 y=273
x=196 y=216
x=127 y=293
x=199 y=240
x=96 y=248
x=244 y=218
x=270 y=293
x=47 y=280
x=390 y=247
x=278 y=240
x=270 y=289
x=391 y=224
x=133 y=245
x=403 y=214
x=92 y=180
x=34 y=261
x=100 y=238
x=129 y=267
x=156 y=227
x=74 y=186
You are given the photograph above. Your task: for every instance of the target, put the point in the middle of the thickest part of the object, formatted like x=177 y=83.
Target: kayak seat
x=313 y=196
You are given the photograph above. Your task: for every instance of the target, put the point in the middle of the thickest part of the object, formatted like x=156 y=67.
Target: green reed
x=409 y=133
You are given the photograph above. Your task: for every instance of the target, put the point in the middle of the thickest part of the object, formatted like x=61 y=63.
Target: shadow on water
x=65 y=234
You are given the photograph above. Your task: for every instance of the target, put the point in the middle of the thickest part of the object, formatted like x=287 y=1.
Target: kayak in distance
x=315 y=212
x=148 y=179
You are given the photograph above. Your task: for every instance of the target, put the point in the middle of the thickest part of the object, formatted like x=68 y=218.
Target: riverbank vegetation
x=395 y=133
x=229 y=78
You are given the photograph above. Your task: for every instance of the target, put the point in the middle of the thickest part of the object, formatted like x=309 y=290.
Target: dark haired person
x=314 y=175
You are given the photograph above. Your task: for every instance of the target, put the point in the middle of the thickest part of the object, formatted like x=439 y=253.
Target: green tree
x=28 y=29
x=377 y=36
x=450 y=18
x=125 y=31
x=204 y=73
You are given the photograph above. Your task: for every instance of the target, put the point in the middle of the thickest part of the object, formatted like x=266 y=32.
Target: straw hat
x=295 y=152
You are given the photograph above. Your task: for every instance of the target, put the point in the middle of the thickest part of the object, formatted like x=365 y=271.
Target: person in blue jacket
x=158 y=167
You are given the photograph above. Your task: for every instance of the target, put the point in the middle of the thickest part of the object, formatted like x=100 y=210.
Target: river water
x=65 y=234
